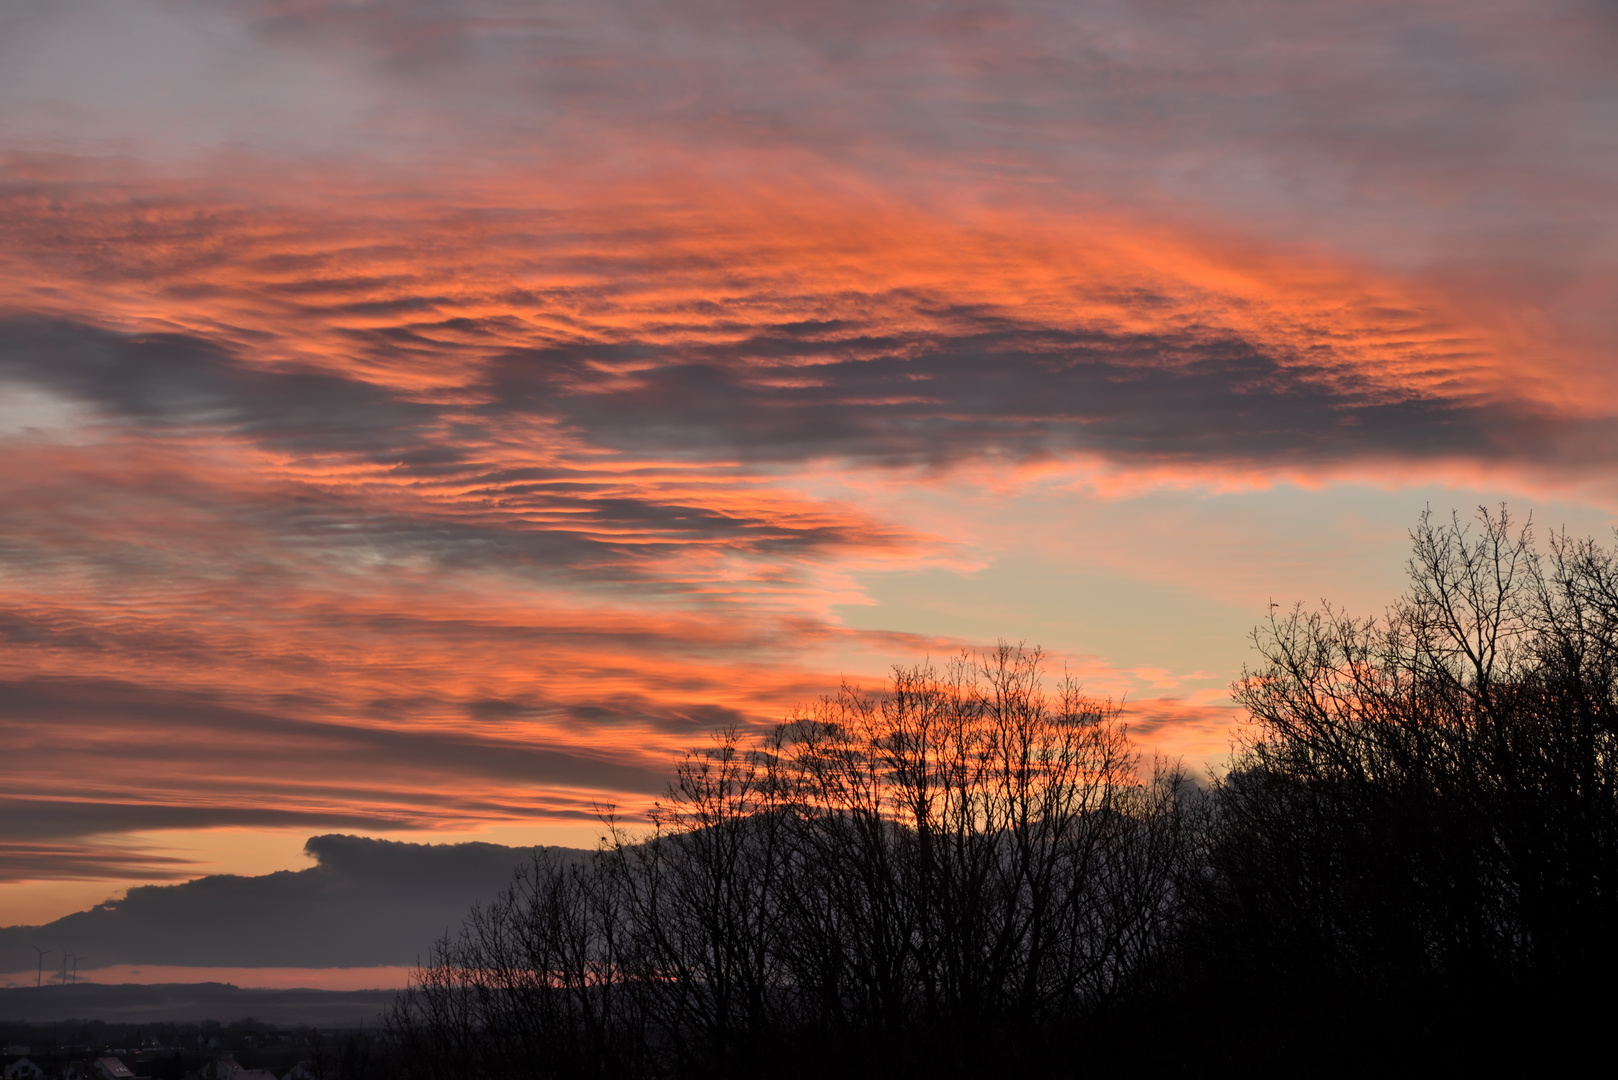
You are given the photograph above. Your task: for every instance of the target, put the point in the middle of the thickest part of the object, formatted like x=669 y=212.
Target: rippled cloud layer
x=426 y=416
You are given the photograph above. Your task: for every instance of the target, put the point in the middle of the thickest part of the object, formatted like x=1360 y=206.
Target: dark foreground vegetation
x=1412 y=860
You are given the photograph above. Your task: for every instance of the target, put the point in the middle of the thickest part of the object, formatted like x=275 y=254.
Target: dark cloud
x=181 y=381
x=365 y=902
x=989 y=386
x=187 y=386
x=995 y=387
x=984 y=386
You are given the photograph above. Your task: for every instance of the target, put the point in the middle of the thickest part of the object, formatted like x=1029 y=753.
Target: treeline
x=1412 y=858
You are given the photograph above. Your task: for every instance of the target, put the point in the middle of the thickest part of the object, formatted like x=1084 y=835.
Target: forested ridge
x=1411 y=859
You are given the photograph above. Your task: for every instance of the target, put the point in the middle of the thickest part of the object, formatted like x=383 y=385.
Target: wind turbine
x=39 y=975
x=76 y=959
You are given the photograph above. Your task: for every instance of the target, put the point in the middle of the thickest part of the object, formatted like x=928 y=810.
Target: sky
x=420 y=420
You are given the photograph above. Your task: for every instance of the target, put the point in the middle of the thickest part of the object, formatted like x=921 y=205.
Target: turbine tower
x=39 y=975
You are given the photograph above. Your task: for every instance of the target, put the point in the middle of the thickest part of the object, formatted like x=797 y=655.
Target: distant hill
x=365 y=903
x=192 y=1002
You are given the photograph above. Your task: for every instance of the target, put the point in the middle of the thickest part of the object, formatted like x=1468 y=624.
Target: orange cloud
x=390 y=510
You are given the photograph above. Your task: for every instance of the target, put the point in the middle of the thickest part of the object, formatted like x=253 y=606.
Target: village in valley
x=243 y=1050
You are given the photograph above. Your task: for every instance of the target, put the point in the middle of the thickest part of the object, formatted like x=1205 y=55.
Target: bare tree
x=1425 y=808
x=956 y=867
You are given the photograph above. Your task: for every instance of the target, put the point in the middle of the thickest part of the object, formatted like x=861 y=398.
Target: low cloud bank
x=192 y=1003
x=366 y=902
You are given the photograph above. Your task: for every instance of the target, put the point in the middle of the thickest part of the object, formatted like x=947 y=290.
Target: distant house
x=226 y=1067
x=103 y=1068
x=223 y=1067
x=23 y=1069
x=303 y=1070
x=111 y=1068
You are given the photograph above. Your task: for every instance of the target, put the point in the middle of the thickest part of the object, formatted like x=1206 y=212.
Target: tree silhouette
x=901 y=883
x=1418 y=840
x=1412 y=857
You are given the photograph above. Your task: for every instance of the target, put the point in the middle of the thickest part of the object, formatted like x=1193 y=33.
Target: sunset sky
x=421 y=419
